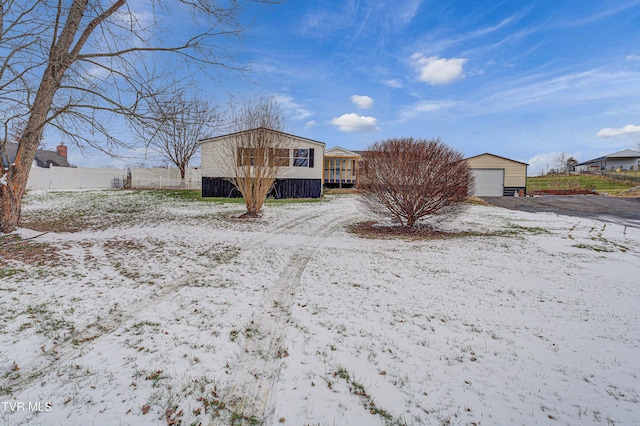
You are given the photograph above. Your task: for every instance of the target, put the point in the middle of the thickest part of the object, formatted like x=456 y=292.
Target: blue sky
x=524 y=80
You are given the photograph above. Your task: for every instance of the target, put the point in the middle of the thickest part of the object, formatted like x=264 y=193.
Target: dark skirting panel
x=284 y=188
x=508 y=191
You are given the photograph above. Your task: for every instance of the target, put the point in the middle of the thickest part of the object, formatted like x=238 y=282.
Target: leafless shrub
x=413 y=179
x=257 y=152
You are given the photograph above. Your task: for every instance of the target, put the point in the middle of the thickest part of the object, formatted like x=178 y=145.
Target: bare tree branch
x=176 y=125
x=74 y=65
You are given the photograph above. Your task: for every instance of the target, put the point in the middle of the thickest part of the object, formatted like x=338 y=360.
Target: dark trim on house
x=508 y=191
x=284 y=188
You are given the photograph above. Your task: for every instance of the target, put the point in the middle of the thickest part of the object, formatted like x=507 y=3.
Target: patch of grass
x=251 y=420
x=536 y=230
x=371 y=230
x=9 y=272
x=357 y=388
x=573 y=181
x=191 y=195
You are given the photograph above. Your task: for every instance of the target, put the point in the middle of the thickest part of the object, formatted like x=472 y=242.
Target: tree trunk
x=10 y=202
x=16 y=179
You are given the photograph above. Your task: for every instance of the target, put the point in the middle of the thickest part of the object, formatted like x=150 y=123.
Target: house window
x=257 y=157
x=300 y=158
x=246 y=156
x=303 y=157
x=281 y=157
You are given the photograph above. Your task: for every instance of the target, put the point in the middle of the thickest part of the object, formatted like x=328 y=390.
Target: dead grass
x=373 y=230
x=14 y=249
x=54 y=224
x=630 y=193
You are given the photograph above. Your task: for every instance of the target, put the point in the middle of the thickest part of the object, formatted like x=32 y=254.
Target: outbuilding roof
x=497 y=156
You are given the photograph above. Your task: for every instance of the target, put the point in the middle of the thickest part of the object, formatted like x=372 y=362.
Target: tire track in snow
x=259 y=363
x=75 y=346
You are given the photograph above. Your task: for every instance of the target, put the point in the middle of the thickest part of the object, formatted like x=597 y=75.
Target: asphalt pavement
x=625 y=211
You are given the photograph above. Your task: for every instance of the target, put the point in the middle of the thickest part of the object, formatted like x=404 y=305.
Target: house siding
x=622 y=163
x=215 y=162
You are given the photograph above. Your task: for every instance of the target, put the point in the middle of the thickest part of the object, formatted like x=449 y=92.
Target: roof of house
x=627 y=153
x=217 y=138
x=497 y=156
x=44 y=158
x=338 y=151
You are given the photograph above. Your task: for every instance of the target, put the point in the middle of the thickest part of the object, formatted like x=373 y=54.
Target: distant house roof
x=627 y=153
x=44 y=158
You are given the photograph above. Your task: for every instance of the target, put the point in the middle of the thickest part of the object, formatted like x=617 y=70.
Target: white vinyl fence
x=165 y=178
x=74 y=178
x=86 y=178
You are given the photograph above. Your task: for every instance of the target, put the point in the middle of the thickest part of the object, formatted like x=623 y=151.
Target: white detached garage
x=497 y=176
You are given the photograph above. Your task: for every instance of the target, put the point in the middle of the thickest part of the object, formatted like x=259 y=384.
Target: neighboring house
x=44 y=158
x=623 y=160
x=497 y=176
x=340 y=167
x=300 y=175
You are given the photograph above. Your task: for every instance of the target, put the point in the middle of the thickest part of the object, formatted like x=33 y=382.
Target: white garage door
x=489 y=182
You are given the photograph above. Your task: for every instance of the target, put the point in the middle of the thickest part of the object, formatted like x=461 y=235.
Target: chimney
x=62 y=150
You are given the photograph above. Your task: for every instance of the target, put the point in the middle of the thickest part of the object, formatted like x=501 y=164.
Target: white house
x=623 y=160
x=299 y=173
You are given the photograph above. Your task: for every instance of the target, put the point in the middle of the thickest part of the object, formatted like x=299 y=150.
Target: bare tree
x=412 y=179
x=83 y=66
x=176 y=125
x=257 y=151
x=562 y=162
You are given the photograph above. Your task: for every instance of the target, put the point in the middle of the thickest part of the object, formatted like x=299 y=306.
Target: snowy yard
x=152 y=310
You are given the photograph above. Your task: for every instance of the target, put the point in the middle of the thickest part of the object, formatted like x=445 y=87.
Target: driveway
x=625 y=211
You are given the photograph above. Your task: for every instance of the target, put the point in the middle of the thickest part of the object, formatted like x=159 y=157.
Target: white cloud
x=609 y=132
x=394 y=83
x=542 y=163
x=309 y=124
x=407 y=11
x=435 y=70
x=630 y=58
x=425 y=107
x=362 y=102
x=292 y=108
x=353 y=122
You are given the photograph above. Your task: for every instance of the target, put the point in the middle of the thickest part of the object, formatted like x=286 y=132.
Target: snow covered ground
x=157 y=310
